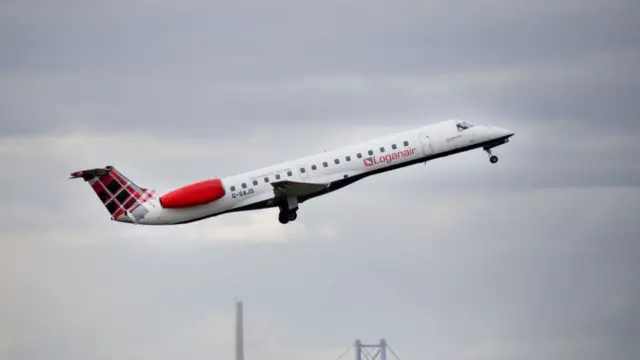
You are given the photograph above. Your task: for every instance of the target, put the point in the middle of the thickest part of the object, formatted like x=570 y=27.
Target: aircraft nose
x=502 y=132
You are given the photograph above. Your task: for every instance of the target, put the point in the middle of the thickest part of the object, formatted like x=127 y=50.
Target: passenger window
x=382 y=149
x=289 y=173
x=406 y=143
x=325 y=164
x=255 y=182
x=336 y=161
x=370 y=152
x=359 y=156
x=266 y=179
x=348 y=158
x=393 y=146
x=244 y=186
x=233 y=188
x=302 y=170
x=313 y=167
x=277 y=176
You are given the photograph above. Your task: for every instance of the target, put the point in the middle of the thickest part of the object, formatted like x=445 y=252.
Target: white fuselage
x=253 y=189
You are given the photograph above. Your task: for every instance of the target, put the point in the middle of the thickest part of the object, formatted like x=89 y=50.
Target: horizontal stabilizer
x=90 y=173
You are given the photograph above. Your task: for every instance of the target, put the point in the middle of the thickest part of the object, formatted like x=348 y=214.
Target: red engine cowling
x=194 y=194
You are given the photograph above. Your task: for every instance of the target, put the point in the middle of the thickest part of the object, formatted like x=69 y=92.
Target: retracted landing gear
x=492 y=158
x=289 y=211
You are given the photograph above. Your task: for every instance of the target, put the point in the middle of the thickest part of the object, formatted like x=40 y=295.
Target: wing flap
x=293 y=188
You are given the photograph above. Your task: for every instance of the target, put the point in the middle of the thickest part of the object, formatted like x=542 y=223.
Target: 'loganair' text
x=374 y=160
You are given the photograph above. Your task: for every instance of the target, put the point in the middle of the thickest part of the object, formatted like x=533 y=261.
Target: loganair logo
x=389 y=158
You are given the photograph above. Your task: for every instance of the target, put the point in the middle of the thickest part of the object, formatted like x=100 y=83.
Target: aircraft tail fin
x=122 y=197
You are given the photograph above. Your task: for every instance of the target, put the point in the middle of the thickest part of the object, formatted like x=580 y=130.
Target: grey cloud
x=438 y=282
x=154 y=69
x=533 y=257
x=274 y=30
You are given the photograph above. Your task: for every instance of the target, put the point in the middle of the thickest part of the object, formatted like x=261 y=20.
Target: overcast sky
x=536 y=257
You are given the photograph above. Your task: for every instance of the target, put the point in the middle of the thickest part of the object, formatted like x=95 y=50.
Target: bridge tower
x=371 y=351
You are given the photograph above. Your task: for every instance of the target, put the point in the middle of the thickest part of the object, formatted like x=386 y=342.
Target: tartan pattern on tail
x=119 y=194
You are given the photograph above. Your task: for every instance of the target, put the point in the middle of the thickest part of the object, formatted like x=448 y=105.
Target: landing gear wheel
x=288 y=209
x=283 y=217
x=286 y=216
x=492 y=158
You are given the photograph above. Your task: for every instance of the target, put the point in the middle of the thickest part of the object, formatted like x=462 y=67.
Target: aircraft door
x=425 y=141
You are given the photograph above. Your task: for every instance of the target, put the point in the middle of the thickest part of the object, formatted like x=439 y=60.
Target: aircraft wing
x=293 y=188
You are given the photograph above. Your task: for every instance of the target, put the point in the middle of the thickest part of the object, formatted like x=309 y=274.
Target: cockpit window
x=463 y=125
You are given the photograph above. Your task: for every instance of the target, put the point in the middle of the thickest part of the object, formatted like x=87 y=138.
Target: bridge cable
x=393 y=352
x=345 y=353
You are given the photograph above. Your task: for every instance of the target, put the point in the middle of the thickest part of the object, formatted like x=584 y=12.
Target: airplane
x=288 y=184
